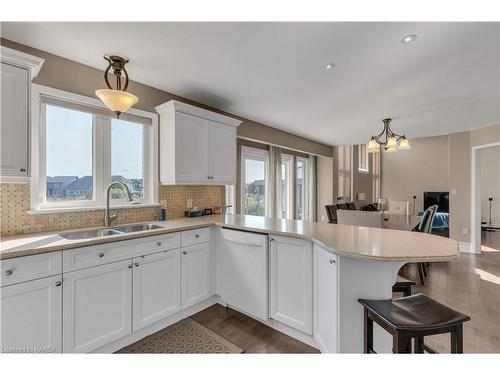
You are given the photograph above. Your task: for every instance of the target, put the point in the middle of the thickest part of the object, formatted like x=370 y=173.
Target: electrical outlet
x=453 y=191
x=189 y=203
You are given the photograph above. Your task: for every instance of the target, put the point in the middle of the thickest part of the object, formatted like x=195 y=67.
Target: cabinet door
x=222 y=153
x=14 y=121
x=191 y=149
x=157 y=287
x=196 y=279
x=97 y=306
x=31 y=318
x=291 y=282
x=325 y=300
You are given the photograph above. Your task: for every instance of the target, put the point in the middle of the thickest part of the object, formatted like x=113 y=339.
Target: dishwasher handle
x=246 y=243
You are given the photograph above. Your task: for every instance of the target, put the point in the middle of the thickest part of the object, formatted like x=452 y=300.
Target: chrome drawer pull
x=184 y=252
x=332 y=261
x=100 y=255
x=197 y=236
x=9 y=272
x=58 y=283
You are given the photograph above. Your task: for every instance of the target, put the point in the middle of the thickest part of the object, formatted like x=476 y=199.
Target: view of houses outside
x=254 y=199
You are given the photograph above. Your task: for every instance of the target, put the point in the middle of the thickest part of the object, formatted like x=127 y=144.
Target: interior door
x=191 y=149
x=196 y=285
x=222 y=153
x=157 y=287
x=14 y=120
x=291 y=282
x=97 y=306
x=31 y=318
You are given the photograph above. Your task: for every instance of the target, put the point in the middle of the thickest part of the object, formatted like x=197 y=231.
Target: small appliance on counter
x=195 y=211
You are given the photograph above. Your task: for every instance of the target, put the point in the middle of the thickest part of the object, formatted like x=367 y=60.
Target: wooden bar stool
x=403 y=285
x=410 y=317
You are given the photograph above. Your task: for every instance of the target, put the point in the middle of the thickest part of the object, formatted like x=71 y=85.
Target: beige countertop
x=345 y=240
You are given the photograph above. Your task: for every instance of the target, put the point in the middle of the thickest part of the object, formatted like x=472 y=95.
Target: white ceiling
x=447 y=80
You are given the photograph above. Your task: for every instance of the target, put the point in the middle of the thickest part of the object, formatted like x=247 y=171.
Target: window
x=286 y=185
x=301 y=188
x=363 y=165
x=82 y=148
x=69 y=165
x=254 y=181
x=344 y=161
x=127 y=158
x=376 y=176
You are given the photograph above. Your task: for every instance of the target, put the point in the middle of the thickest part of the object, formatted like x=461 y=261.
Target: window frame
x=305 y=188
x=363 y=159
x=101 y=154
x=259 y=155
x=288 y=159
x=344 y=173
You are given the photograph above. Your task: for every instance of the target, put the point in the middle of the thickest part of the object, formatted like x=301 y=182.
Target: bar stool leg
x=368 y=339
x=400 y=344
x=418 y=345
x=407 y=291
x=457 y=340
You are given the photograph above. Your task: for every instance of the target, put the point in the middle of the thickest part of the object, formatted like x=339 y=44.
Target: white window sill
x=89 y=208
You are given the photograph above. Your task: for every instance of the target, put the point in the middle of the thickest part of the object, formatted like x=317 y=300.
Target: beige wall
x=460 y=186
x=409 y=173
x=490 y=182
x=324 y=186
x=68 y=75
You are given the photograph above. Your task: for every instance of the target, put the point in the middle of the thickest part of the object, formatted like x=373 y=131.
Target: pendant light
x=390 y=141
x=117 y=100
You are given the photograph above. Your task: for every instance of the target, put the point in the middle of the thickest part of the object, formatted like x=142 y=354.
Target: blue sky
x=69 y=144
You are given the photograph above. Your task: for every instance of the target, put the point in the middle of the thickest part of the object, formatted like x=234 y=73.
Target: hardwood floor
x=248 y=333
x=470 y=284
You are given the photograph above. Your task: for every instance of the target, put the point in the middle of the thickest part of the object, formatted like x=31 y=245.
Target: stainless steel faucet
x=107 y=217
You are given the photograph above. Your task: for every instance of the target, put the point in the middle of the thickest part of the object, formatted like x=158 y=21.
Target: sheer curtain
x=274 y=196
x=310 y=213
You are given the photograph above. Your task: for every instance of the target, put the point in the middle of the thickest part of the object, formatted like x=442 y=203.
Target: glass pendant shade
x=116 y=100
x=392 y=142
x=373 y=146
x=391 y=149
x=404 y=144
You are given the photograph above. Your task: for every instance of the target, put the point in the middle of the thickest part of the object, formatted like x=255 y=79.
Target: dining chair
x=425 y=226
x=360 y=218
x=342 y=206
x=331 y=213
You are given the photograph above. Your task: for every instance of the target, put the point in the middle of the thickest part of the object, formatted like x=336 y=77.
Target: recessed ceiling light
x=409 y=38
x=330 y=66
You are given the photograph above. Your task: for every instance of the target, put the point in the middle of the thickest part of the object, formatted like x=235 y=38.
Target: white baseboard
x=465 y=247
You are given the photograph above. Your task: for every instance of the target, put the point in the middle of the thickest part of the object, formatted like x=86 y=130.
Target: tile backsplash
x=15 y=202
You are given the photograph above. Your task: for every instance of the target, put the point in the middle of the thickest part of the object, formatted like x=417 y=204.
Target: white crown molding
x=15 y=57
x=174 y=105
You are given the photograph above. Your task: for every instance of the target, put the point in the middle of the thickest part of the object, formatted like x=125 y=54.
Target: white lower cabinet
x=157 y=287
x=291 y=282
x=196 y=281
x=326 y=300
x=97 y=306
x=31 y=316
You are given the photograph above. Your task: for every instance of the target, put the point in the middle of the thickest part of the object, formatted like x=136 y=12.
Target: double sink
x=95 y=233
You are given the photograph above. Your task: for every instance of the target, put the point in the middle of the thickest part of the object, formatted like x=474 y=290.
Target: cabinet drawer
x=191 y=237
x=101 y=254
x=31 y=267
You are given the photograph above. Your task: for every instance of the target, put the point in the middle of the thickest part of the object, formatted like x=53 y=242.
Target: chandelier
x=389 y=140
x=118 y=100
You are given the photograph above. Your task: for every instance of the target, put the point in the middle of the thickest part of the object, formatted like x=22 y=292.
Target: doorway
x=485 y=197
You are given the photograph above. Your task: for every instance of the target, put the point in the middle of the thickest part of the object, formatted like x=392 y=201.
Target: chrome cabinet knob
x=9 y=272
x=196 y=236
x=100 y=255
x=184 y=252
x=136 y=264
x=58 y=283
x=129 y=266
x=332 y=261
x=158 y=243
x=22 y=170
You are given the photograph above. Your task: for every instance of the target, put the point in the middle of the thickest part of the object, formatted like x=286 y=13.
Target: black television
x=441 y=198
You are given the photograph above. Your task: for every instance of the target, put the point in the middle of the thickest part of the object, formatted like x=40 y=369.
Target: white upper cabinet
x=17 y=69
x=196 y=146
